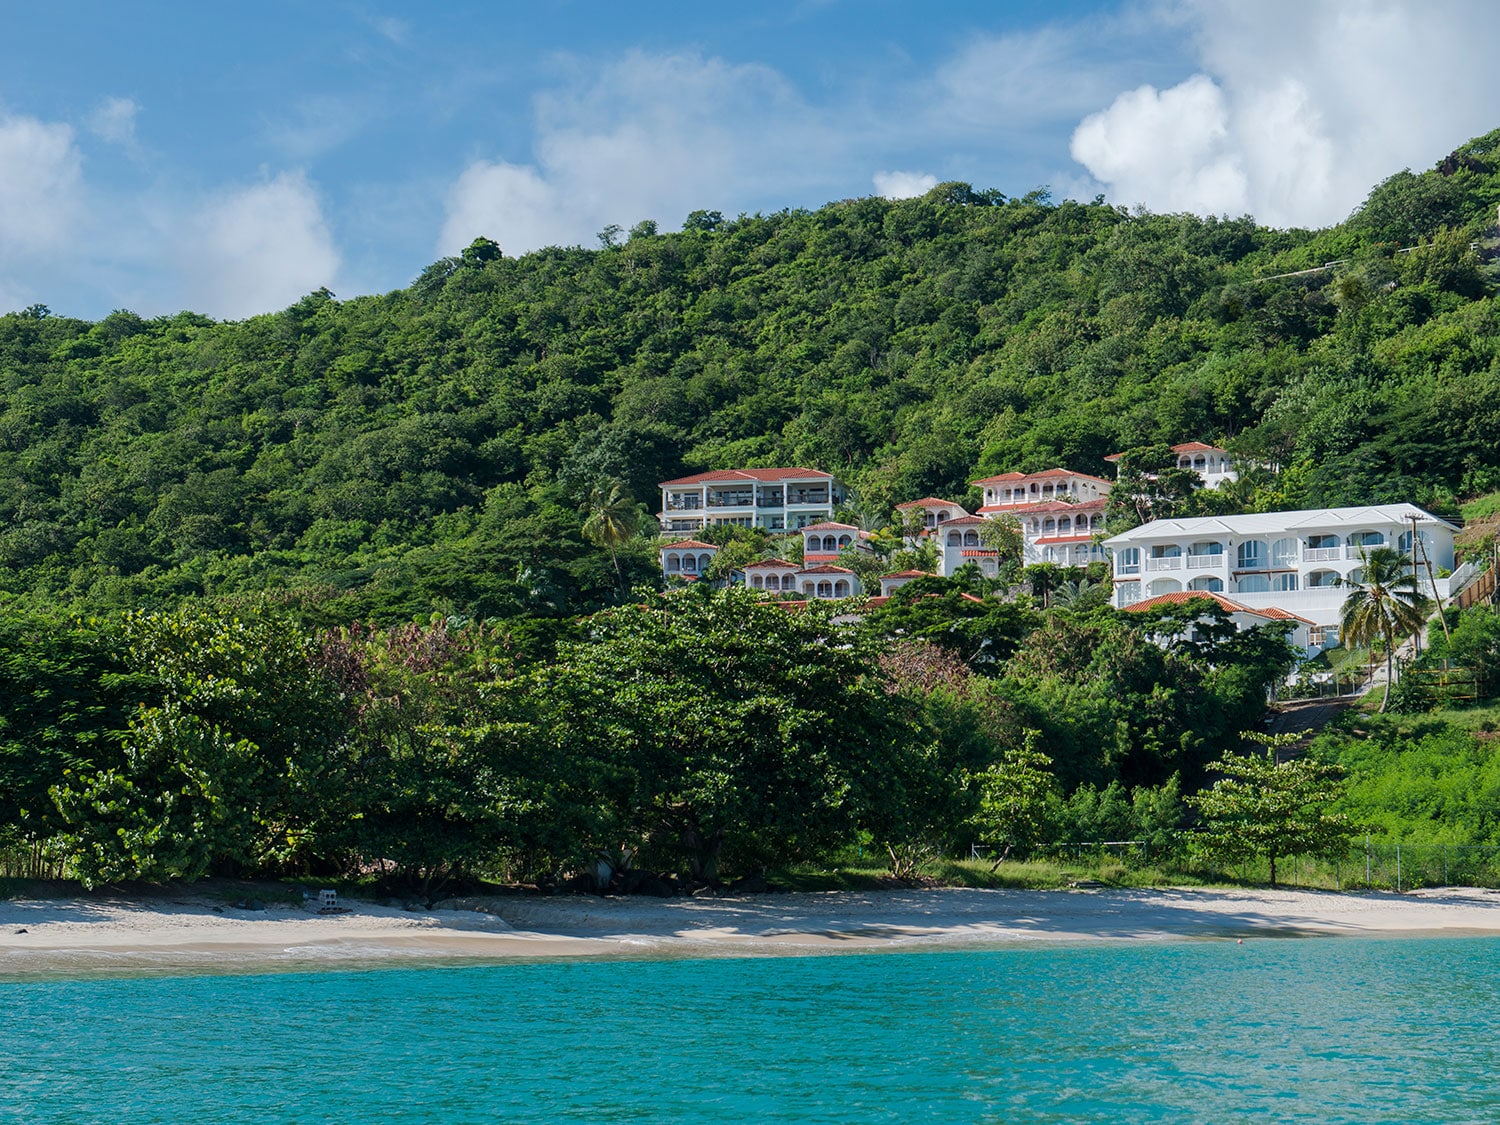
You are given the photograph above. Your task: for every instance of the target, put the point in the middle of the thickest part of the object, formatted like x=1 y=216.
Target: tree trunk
x=1390 y=653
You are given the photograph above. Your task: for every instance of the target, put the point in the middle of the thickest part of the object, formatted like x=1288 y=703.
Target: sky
x=229 y=159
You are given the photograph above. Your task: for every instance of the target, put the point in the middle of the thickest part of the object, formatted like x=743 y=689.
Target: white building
x=822 y=542
x=1063 y=533
x=933 y=511
x=1213 y=465
x=780 y=576
x=1304 y=634
x=686 y=558
x=1289 y=560
x=1010 y=491
x=775 y=499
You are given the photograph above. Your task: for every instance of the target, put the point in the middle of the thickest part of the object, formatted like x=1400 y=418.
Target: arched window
x=758 y=582
x=1281 y=583
x=1207 y=583
x=689 y=564
x=1127 y=593
x=955 y=539
x=1164 y=586
x=1128 y=560
x=674 y=564
x=1206 y=547
x=1356 y=576
x=841 y=588
x=1284 y=553
x=1365 y=539
x=943 y=515
x=703 y=561
x=1065 y=526
x=971 y=539
x=1252 y=555
x=1254 y=584
x=844 y=541
x=1319 y=579
x=1049 y=526
x=825 y=589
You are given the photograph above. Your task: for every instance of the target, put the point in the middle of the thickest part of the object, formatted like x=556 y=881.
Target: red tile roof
x=1182 y=597
x=1185 y=447
x=1045 y=474
x=907 y=574
x=826 y=570
x=735 y=476
x=771 y=564
x=929 y=502
x=829 y=525
x=695 y=544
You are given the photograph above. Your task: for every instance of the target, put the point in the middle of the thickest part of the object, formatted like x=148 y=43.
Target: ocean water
x=1271 y=1030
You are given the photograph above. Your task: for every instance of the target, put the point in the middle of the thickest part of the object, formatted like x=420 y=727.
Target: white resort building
x=1294 y=561
x=1213 y=465
x=775 y=499
x=686 y=558
x=822 y=581
x=1010 y=491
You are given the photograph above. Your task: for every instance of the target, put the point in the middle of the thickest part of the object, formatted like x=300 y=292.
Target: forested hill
x=431 y=448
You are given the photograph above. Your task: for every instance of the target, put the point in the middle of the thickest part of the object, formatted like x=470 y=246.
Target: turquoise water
x=1285 y=1030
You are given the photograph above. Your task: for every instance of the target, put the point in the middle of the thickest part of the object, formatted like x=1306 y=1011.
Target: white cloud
x=903 y=185
x=257 y=248
x=1299 y=108
x=113 y=120
x=649 y=137
x=40 y=187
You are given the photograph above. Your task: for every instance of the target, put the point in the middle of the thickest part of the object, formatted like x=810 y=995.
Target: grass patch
x=1481 y=506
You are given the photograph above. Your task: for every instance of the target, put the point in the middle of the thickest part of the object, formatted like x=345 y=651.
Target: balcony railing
x=691 y=504
x=1166 y=562
x=1205 y=562
x=1351 y=551
x=732 y=500
x=1322 y=554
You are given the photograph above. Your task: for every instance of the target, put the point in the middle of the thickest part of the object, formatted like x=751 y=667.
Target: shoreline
x=183 y=933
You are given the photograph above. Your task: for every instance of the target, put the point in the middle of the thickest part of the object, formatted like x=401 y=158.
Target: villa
x=686 y=558
x=820 y=581
x=1306 y=636
x=1213 y=465
x=775 y=499
x=1297 y=561
x=1010 y=491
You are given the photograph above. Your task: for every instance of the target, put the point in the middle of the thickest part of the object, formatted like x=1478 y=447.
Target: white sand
x=101 y=933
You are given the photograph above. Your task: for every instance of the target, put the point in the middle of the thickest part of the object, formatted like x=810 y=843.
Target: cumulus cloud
x=1298 y=108
x=649 y=137
x=40 y=186
x=113 y=120
x=257 y=248
x=904 y=185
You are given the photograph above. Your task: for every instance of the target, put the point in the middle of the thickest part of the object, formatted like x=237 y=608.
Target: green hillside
x=431 y=449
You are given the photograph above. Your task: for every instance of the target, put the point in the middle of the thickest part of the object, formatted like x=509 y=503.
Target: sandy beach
x=172 y=933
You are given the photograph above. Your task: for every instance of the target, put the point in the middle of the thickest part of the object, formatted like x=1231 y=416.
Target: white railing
x=1166 y=562
x=1205 y=562
x=1351 y=551
x=1321 y=554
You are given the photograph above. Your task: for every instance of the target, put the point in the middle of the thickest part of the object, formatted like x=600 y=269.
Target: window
x=1283 y=582
x=1254 y=584
x=1320 y=579
x=1127 y=593
x=1207 y=584
x=1252 y=555
x=1284 y=553
x=1128 y=560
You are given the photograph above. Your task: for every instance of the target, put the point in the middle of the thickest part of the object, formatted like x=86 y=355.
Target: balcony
x=730 y=500
x=1322 y=554
x=802 y=498
x=685 y=504
x=1166 y=562
x=1205 y=562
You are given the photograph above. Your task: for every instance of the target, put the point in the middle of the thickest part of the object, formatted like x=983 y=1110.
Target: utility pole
x=1416 y=638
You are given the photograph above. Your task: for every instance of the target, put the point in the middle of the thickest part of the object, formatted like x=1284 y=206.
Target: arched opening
x=703 y=561
x=1065 y=526
x=825 y=589
x=1281 y=583
x=1049 y=526
x=841 y=588
x=1164 y=586
x=971 y=539
x=758 y=582
x=1254 y=584
x=1128 y=560
x=1127 y=593
x=844 y=541
x=1284 y=553
x=1320 y=579
x=689 y=564
x=955 y=539
x=1356 y=577
x=674 y=564
x=1207 y=583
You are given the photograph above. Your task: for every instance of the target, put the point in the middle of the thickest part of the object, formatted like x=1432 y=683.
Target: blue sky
x=228 y=159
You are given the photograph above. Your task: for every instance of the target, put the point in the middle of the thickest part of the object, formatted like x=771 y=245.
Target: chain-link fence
x=1366 y=865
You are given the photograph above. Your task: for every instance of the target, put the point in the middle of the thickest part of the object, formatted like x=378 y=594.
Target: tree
x=612 y=521
x=1262 y=807
x=1013 y=798
x=1385 y=604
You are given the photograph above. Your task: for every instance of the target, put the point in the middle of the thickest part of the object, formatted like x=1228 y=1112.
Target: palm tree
x=612 y=521
x=1385 y=603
